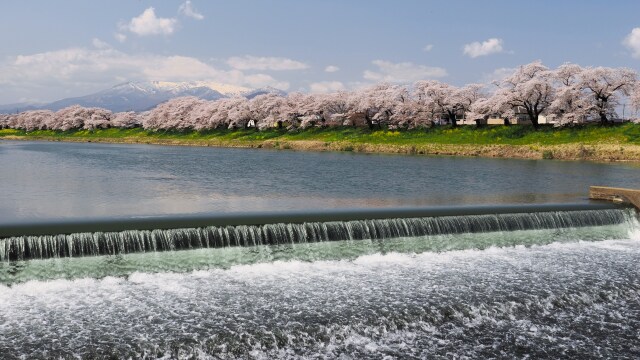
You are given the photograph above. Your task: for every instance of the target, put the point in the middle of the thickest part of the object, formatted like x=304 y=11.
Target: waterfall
x=131 y=241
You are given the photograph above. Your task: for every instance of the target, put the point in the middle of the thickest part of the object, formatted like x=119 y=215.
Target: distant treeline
x=569 y=94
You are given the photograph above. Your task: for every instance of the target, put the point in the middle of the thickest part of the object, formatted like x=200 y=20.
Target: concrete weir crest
x=619 y=195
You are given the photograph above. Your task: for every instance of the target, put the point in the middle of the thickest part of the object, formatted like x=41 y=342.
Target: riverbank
x=615 y=143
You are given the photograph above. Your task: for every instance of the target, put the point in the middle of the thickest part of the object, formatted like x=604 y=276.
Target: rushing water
x=340 y=300
x=543 y=285
x=49 y=180
x=619 y=224
x=116 y=243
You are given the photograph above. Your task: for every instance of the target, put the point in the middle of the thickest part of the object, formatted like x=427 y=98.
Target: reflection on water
x=81 y=179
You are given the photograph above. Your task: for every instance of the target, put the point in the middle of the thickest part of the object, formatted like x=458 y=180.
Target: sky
x=57 y=49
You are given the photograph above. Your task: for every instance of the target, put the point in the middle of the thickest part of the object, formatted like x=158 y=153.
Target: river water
x=576 y=299
x=51 y=180
x=566 y=292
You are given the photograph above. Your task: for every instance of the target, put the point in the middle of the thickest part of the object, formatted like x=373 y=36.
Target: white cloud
x=149 y=24
x=403 y=72
x=262 y=80
x=99 y=44
x=120 y=37
x=331 y=69
x=324 y=87
x=179 y=67
x=488 y=47
x=264 y=63
x=187 y=10
x=79 y=71
x=103 y=63
x=632 y=42
x=427 y=48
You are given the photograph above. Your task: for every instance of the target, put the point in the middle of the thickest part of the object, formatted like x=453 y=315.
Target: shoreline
x=570 y=151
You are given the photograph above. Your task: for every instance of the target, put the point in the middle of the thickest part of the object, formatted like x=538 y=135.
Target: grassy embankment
x=592 y=142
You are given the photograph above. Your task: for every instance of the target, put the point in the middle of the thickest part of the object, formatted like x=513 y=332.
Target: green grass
x=508 y=135
x=511 y=135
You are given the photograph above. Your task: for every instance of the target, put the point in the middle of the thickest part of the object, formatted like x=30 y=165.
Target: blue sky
x=56 y=49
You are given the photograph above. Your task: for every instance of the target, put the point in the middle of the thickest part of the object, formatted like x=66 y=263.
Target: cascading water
x=131 y=241
x=548 y=284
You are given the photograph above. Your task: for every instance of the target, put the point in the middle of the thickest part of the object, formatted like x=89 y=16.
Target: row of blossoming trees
x=570 y=92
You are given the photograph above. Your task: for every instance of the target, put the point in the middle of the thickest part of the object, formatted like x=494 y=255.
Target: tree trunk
x=533 y=117
x=367 y=118
x=603 y=118
x=452 y=117
x=534 y=120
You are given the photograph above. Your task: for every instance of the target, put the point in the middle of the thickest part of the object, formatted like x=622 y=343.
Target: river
x=534 y=291
x=54 y=180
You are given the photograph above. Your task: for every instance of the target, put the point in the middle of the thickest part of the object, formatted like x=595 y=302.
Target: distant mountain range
x=142 y=96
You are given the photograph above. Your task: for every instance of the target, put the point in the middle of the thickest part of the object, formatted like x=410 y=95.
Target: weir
x=618 y=195
x=42 y=240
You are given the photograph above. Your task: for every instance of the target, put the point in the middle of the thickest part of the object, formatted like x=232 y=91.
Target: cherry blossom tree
x=570 y=103
x=172 y=114
x=78 y=117
x=300 y=105
x=379 y=103
x=125 y=120
x=4 y=121
x=400 y=107
x=267 y=109
x=218 y=114
x=334 y=107
x=605 y=86
x=33 y=120
x=570 y=92
x=219 y=118
x=335 y=103
x=97 y=118
x=425 y=109
x=199 y=115
x=530 y=87
x=634 y=98
x=238 y=113
x=449 y=100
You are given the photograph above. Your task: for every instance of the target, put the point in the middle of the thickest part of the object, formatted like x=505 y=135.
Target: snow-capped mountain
x=250 y=94
x=142 y=96
x=183 y=87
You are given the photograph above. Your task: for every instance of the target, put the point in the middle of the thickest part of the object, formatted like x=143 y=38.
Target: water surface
x=546 y=292
x=53 y=180
x=562 y=300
